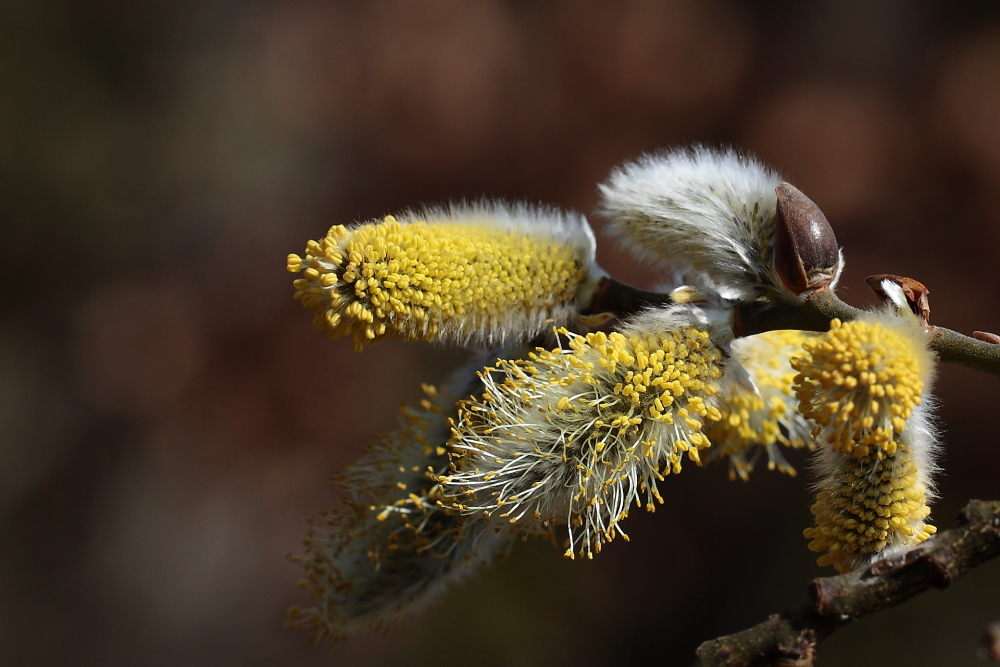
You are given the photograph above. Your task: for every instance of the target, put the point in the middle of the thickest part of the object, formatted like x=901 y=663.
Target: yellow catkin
x=575 y=435
x=765 y=419
x=870 y=503
x=422 y=280
x=860 y=383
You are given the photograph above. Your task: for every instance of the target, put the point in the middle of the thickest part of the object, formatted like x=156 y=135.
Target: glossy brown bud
x=806 y=256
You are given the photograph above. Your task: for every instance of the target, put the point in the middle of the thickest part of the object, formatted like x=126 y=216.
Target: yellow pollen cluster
x=859 y=383
x=871 y=503
x=573 y=436
x=653 y=371
x=420 y=280
x=768 y=418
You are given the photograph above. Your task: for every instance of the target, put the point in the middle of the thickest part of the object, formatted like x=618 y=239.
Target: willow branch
x=819 y=308
x=791 y=638
x=813 y=314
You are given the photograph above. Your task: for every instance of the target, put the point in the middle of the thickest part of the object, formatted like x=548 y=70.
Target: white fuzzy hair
x=367 y=568
x=568 y=227
x=699 y=209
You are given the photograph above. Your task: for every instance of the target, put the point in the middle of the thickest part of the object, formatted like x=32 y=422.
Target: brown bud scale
x=917 y=296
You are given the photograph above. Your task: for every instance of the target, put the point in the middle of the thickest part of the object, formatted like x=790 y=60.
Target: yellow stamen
x=595 y=414
x=458 y=276
x=871 y=503
x=860 y=382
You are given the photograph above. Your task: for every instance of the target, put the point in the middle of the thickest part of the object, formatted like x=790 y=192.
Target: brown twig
x=813 y=314
x=612 y=296
x=990 y=649
x=819 y=308
x=790 y=639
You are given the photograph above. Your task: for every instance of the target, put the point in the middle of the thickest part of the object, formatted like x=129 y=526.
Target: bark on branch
x=819 y=308
x=813 y=314
x=790 y=639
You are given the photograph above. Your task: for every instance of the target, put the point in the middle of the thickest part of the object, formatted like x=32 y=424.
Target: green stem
x=954 y=348
x=813 y=314
x=819 y=308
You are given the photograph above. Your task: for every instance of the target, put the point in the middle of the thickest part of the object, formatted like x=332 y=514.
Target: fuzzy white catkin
x=702 y=210
x=393 y=548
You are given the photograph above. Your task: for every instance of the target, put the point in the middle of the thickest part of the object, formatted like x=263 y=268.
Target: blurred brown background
x=169 y=417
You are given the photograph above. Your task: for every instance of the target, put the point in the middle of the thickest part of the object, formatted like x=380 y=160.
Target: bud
x=806 y=256
x=906 y=294
x=716 y=214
